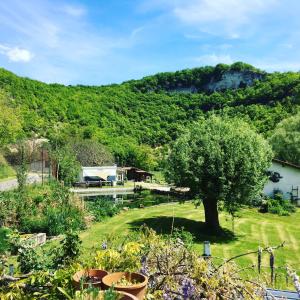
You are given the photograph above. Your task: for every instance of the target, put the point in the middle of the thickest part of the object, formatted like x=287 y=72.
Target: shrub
x=34 y=224
x=68 y=251
x=61 y=219
x=102 y=208
x=4 y=239
x=28 y=259
x=279 y=206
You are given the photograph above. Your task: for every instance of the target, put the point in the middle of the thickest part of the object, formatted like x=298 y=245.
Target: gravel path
x=13 y=183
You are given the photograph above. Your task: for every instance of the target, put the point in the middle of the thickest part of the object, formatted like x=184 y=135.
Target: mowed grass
x=251 y=230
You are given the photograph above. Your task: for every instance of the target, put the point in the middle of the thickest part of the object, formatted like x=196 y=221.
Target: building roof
x=278 y=294
x=286 y=163
x=137 y=170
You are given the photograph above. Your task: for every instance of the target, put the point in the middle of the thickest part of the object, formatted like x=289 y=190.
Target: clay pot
x=96 y=275
x=136 y=289
x=125 y=296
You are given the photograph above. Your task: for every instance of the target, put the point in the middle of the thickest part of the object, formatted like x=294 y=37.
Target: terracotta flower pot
x=127 y=296
x=137 y=289
x=94 y=277
x=123 y=296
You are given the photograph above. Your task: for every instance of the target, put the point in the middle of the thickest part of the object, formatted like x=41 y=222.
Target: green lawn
x=252 y=229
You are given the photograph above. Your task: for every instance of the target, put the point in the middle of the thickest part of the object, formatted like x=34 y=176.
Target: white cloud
x=218 y=17
x=213 y=59
x=63 y=42
x=136 y=31
x=75 y=11
x=16 y=54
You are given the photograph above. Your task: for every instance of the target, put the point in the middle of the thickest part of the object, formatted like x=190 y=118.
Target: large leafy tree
x=286 y=139
x=220 y=160
x=91 y=153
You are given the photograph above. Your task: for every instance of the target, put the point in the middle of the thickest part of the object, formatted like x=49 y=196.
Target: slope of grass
x=251 y=230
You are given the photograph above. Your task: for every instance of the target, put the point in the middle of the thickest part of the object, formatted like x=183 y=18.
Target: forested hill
x=151 y=112
x=206 y=79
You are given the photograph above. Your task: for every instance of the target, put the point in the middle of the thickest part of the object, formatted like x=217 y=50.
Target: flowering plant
x=126 y=258
x=175 y=270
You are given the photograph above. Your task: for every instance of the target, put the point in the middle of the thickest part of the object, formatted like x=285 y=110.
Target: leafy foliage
x=135 y=117
x=10 y=121
x=91 y=153
x=68 y=167
x=49 y=208
x=278 y=205
x=69 y=250
x=5 y=169
x=102 y=208
x=286 y=139
x=220 y=160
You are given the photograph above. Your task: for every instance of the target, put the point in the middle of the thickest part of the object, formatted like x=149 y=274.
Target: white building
x=106 y=173
x=284 y=177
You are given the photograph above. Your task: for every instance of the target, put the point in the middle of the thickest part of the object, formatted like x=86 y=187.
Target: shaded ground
x=164 y=224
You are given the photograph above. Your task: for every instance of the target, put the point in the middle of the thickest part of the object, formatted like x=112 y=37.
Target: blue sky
x=110 y=41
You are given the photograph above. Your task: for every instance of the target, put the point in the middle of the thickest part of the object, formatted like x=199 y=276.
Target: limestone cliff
x=232 y=80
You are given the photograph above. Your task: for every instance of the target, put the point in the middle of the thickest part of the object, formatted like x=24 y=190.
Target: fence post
x=272 y=260
x=259 y=254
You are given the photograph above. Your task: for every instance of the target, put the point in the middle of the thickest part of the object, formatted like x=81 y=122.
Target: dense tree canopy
x=286 y=139
x=135 y=117
x=220 y=160
x=10 y=124
x=91 y=153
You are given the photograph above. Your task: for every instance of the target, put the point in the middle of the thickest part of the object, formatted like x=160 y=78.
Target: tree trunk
x=211 y=214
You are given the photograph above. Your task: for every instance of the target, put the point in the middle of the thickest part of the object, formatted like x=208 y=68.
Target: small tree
x=220 y=160
x=286 y=139
x=67 y=167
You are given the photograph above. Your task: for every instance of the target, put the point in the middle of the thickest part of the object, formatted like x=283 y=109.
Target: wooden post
x=272 y=261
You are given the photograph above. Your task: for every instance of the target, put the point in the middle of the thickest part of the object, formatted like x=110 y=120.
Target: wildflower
x=188 y=289
x=167 y=295
x=144 y=270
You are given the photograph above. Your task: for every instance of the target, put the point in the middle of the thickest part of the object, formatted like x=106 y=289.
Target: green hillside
x=151 y=112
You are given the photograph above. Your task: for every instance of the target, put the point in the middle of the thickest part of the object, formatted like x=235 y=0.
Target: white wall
x=102 y=172
x=290 y=177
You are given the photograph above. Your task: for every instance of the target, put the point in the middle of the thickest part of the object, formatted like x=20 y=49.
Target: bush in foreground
x=174 y=269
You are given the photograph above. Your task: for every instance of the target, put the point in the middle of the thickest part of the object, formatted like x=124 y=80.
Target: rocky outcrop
x=232 y=80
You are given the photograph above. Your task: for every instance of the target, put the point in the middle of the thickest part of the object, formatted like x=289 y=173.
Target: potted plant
x=110 y=294
x=131 y=283
x=88 y=278
x=93 y=293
